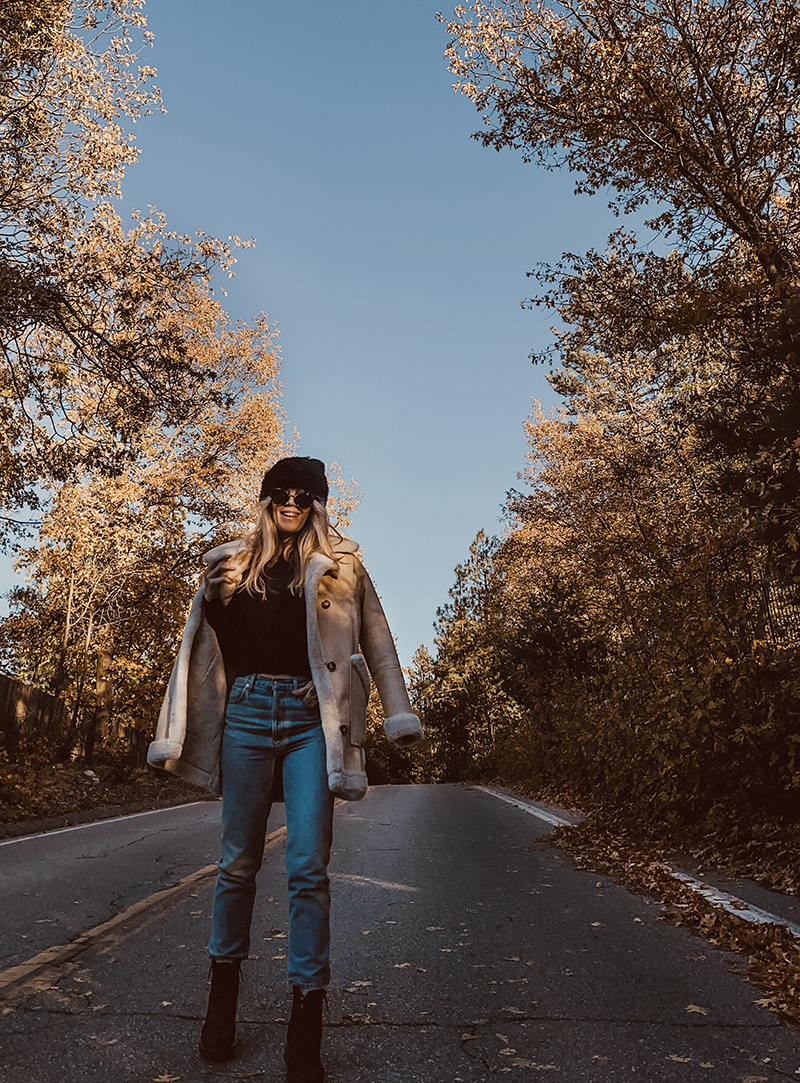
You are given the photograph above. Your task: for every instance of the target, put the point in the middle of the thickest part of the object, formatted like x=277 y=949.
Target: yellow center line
x=17 y=977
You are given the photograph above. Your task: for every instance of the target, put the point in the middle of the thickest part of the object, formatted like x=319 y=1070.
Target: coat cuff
x=349 y=785
x=160 y=751
x=403 y=729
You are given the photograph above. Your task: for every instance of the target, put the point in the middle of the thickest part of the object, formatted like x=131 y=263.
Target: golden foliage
x=134 y=416
x=102 y=327
x=644 y=645
x=691 y=106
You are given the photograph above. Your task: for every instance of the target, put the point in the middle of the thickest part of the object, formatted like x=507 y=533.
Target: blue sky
x=392 y=252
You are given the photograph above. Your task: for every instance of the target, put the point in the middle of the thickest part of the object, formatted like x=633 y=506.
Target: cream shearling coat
x=346 y=626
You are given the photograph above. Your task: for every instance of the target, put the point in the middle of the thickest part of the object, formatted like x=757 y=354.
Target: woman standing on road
x=271 y=681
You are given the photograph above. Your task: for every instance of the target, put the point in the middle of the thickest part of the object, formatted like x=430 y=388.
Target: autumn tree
x=689 y=106
x=650 y=674
x=461 y=691
x=118 y=554
x=134 y=417
x=85 y=302
x=689 y=111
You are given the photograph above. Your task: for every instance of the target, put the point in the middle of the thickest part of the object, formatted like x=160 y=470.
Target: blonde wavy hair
x=264 y=547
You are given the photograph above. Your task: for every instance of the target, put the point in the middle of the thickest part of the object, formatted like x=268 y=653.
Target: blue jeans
x=266 y=724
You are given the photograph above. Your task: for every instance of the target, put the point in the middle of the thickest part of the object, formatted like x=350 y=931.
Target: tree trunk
x=59 y=677
x=100 y=721
x=72 y=738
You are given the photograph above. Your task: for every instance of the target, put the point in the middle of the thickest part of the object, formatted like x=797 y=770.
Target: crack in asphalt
x=349 y=1023
x=126 y=845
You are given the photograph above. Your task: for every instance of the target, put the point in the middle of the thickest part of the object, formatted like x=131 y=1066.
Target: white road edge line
x=730 y=903
x=733 y=905
x=548 y=817
x=97 y=823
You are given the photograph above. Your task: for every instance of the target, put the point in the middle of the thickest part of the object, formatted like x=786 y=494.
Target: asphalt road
x=59 y=884
x=465 y=947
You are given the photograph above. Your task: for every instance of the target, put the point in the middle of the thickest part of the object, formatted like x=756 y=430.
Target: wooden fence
x=30 y=719
x=779 y=613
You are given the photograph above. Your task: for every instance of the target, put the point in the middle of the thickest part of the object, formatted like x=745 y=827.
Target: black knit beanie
x=301 y=472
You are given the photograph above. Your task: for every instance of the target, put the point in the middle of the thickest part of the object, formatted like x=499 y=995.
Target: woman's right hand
x=221 y=579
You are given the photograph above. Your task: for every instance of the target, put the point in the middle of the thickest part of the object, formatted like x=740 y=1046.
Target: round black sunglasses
x=301 y=498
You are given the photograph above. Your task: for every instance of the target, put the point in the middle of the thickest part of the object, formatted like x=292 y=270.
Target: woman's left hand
x=308 y=694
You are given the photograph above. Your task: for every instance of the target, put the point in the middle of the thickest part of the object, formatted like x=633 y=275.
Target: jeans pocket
x=238 y=692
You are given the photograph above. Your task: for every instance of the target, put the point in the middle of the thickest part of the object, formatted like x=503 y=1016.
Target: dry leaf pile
x=55 y=791
x=767 y=851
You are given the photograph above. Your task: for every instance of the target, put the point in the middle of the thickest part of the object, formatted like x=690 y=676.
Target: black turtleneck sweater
x=263 y=635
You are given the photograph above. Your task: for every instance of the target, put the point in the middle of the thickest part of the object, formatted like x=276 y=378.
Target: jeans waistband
x=260 y=680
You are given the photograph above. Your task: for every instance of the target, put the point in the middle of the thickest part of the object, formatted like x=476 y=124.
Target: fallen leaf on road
x=421 y=969
x=468 y=1037
x=435 y=928
x=366 y=932
x=401 y=966
x=680 y=1060
x=512 y=958
x=166 y=1078
x=520 y=1063
x=597 y=924
x=507 y=1052
x=516 y=1011
x=696 y=1009
x=165 y=1003
x=362 y=983
x=706 y=1064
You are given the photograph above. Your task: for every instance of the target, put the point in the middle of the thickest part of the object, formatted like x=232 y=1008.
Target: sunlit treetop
x=691 y=105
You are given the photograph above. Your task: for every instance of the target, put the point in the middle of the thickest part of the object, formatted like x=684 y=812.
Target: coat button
x=331 y=666
x=326 y=604
x=344 y=729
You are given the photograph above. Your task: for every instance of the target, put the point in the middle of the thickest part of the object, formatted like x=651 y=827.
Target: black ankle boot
x=304 y=1038
x=218 y=1036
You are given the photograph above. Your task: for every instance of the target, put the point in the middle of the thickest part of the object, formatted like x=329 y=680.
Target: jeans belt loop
x=250 y=683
